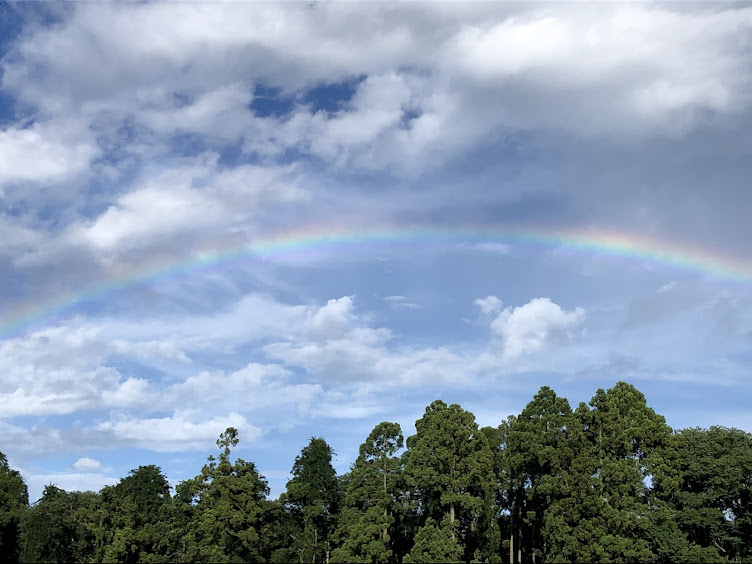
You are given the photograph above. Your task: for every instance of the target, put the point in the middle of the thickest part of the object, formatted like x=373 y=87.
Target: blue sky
x=140 y=136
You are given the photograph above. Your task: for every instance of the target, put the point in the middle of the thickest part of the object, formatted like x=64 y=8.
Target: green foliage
x=313 y=498
x=434 y=544
x=537 y=457
x=48 y=528
x=14 y=499
x=223 y=507
x=607 y=482
x=449 y=465
x=714 y=501
x=601 y=511
x=371 y=498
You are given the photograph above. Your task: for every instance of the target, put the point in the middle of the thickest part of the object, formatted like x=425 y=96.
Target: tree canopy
x=609 y=481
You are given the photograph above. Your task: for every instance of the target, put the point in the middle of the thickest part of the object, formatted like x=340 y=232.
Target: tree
x=313 y=498
x=537 y=457
x=138 y=512
x=223 y=507
x=14 y=499
x=49 y=529
x=603 y=511
x=370 y=498
x=714 y=500
x=434 y=544
x=449 y=465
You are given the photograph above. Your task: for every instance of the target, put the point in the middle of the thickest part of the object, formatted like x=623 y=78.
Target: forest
x=608 y=481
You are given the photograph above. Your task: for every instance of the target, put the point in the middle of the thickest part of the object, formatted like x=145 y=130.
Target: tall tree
x=603 y=511
x=14 y=499
x=313 y=497
x=537 y=456
x=449 y=464
x=49 y=528
x=714 y=501
x=224 y=506
x=370 y=498
x=139 y=507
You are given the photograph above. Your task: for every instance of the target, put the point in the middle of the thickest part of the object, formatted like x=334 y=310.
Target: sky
x=303 y=219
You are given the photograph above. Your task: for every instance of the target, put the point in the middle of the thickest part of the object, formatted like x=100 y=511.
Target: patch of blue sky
x=271 y=101
x=409 y=115
x=332 y=97
x=188 y=144
x=231 y=155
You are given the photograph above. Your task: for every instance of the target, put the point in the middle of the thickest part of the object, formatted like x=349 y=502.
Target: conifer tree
x=48 y=529
x=313 y=497
x=14 y=499
x=229 y=502
x=370 y=498
x=449 y=465
x=435 y=543
x=602 y=511
x=537 y=456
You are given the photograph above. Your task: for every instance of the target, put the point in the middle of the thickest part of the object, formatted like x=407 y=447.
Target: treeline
x=606 y=482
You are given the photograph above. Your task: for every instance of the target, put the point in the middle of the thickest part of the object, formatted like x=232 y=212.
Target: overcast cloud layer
x=139 y=135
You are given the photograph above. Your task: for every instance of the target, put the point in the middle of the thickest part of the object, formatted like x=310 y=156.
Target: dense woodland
x=606 y=482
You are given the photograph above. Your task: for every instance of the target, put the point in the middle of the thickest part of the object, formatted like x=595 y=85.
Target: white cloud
x=70 y=482
x=51 y=151
x=256 y=388
x=186 y=201
x=87 y=464
x=340 y=353
x=401 y=302
x=220 y=114
x=596 y=69
x=332 y=320
x=528 y=328
x=65 y=369
x=489 y=304
x=178 y=432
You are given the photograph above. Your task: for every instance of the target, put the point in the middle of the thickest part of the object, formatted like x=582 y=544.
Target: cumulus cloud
x=489 y=304
x=65 y=369
x=256 y=387
x=528 y=328
x=45 y=152
x=197 y=197
x=332 y=320
x=465 y=77
x=87 y=464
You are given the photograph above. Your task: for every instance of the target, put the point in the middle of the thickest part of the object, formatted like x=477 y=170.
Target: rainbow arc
x=312 y=240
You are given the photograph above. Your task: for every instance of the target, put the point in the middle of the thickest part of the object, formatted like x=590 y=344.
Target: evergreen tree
x=313 y=497
x=14 y=499
x=49 y=529
x=449 y=465
x=537 y=455
x=370 y=498
x=224 y=506
x=142 y=501
x=435 y=544
x=609 y=482
x=714 y=501
x=603 y=512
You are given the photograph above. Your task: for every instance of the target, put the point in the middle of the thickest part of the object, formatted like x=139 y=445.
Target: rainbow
x=312 y=240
